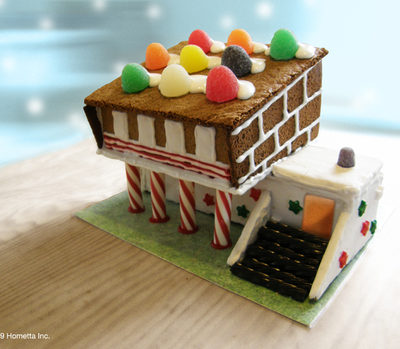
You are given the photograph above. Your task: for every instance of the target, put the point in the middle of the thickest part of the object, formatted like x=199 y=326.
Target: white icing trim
x=120 y=120
x=246 y=89
x=213 y=61
x=259 y=47
x=274 y=131
x=174 y=59
x=217 y=46
x=318 y=286
x=258 y=217
x=99 y=116
x=258 y=65
x=198 y=83
x=205 y=143
x=305 y=51
x=175 y=137
x=146 y=130
x=155 y=79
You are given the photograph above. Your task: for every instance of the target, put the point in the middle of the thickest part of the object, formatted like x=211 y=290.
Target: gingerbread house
x=228 y=147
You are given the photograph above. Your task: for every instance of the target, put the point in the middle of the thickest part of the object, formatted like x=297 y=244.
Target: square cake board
x=194 y=253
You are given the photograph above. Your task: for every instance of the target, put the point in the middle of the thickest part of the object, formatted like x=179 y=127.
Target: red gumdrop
x=222 y=85
x=200 y=38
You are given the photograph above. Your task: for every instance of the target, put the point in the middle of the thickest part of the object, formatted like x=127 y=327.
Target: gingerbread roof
x=196 y=107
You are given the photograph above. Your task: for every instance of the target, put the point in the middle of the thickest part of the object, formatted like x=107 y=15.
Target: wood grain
x=87 y=289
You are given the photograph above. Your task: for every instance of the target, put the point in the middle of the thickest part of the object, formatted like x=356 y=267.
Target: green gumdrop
x=134 y=78
x=283 y=45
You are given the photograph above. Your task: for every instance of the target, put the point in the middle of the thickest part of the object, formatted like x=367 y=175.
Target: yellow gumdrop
x=174 y=82
x=193 y=59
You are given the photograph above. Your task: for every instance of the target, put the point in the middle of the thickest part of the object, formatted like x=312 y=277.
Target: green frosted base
x=194 y=252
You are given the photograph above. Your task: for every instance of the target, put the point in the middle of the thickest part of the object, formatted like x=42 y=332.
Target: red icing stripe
x=169 y=158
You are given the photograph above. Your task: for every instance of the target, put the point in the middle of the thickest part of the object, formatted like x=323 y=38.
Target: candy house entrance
x=318 y=215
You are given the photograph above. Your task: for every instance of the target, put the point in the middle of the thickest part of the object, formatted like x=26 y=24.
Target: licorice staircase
x=283 y=259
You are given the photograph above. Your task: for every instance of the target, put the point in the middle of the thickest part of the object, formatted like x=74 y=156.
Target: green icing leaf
x=294 y=206
x=361 y=208
x=242 y=211
x=134 y=78
x=373 y=226
x=283 y=45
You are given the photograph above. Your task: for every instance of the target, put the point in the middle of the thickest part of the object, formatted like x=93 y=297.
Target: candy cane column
x=222 y=221
x=134 y=189
x=157 y=187
x=187 y=208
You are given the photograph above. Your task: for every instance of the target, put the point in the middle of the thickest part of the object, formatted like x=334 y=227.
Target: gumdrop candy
x=175 y=81
x=157 y=56
x=134 y=78
x=283 y=45
x=346 y=158
x=193 y=59
x=241 y=38
x=200 y=38
x=237 y=60
x=222 y=85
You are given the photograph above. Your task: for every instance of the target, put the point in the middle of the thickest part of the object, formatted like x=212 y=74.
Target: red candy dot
x=222 y=85
x=343 y=259
x=200 y=38
x=365 y=228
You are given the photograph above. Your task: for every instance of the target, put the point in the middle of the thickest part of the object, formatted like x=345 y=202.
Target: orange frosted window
x=318 y=215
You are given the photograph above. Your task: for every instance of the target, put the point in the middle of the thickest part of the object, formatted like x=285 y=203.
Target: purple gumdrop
x=346 y=158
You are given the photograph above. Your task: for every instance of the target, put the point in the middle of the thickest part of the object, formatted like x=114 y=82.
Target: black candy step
x=283 y=259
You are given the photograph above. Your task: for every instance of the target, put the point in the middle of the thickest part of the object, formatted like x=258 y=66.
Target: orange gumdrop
x=157 y=56
x=240 y=37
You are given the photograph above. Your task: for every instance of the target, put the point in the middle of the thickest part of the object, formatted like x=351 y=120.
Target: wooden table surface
x=79 y=287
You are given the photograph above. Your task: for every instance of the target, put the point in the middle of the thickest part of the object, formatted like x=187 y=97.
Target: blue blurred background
x=53 y=53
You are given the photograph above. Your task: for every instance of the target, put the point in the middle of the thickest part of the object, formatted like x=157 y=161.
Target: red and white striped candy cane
x=134 y=189
x=187 y=208
x=222 y=222
x=157 y=186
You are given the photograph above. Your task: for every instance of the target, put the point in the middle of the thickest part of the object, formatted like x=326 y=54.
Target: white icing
x=120 y=124
x=146 y=130
x=246 y=89
x=317 y=167
x=99 y=116
x=267 y=51
x=213 y=61
x=258 y=47
x=258 y=65
x=217 y=46
x=154 y=79
x=273 y=132
x=205 y=143
x=198 y=83
x=173 y=59
x=175 y=137
x=258 y=217
x=305 y=51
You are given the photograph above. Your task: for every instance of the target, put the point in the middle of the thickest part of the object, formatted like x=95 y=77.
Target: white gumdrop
x=305 y=51
x=175 y=81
